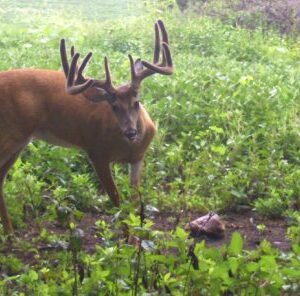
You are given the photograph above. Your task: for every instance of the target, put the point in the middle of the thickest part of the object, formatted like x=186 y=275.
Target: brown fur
x=34 y=104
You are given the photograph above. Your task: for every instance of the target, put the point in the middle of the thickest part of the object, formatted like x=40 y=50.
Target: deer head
x=124 y=100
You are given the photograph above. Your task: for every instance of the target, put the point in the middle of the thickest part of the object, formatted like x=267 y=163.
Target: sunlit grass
x=224 y=117
x=16 y=11
x=228 y=135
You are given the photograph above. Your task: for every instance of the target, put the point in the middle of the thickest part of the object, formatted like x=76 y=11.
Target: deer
x=67 y=109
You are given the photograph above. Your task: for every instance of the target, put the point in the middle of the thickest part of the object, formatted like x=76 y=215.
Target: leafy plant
x=228 y=136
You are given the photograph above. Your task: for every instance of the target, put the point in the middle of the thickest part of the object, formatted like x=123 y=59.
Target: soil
x=245 y=223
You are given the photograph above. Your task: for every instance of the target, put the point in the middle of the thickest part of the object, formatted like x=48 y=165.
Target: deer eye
x=136 y=105
x=115 y=108
x=134 y=93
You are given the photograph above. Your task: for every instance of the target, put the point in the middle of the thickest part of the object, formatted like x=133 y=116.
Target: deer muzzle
x=131 y=134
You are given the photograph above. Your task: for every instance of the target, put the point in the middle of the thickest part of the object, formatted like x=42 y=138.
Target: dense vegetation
x=228 y=123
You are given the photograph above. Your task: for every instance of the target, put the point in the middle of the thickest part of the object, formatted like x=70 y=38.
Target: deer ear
x=138 y=66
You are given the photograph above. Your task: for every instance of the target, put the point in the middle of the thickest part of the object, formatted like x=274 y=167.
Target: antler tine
x=106 y=84
x=63 y=55
x=157 y=45
x=107 y=72
x=165 y=67
x=164 y=32
x=132 y=70
x=81 y=84
x=76 y=83
x=72 y=55
x=83 y=65
x=72 y=51
x=167 y=55
x=76 y=89
x=72 y=70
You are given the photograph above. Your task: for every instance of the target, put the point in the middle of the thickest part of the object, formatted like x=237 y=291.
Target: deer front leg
x=135 y=172
x=104 y=173
x=6 y=222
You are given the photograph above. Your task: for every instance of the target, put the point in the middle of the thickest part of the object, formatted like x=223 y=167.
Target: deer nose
x=131 y=133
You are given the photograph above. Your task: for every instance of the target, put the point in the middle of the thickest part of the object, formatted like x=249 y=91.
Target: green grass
x=228 y=134
x=88 y=10
x=228 y=118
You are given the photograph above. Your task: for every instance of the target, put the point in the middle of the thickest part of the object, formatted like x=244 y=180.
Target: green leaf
x=267 y=263
x=236 y=245
x=221 y=149
x=216 y=129
x=29 y=277
x=233 y=264
x=252 y=267
x=180 y=233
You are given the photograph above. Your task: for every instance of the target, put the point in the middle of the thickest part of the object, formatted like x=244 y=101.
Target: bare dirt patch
x=246 y=223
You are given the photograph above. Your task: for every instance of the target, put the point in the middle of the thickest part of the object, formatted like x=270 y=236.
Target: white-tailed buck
x=66 y=109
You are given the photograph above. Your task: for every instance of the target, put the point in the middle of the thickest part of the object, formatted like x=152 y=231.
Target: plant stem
x=75 y=287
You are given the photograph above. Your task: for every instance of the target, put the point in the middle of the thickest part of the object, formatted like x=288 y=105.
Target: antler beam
x=165 y=67
x=76 y=83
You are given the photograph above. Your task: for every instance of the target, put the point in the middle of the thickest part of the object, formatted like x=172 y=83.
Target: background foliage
x=228 y=123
